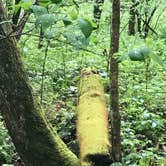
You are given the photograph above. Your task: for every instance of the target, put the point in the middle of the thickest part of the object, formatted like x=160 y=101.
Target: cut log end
x=99 y=159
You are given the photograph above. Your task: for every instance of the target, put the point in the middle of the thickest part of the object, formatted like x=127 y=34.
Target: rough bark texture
x=115 y=118
x=33 y=137
x=92 y=121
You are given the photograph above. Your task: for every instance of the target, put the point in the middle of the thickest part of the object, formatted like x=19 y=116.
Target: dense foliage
x=71 y=41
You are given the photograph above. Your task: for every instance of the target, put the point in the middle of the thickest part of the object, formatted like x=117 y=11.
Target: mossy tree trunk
x=33 y=137
x=92 y=121
x=114 y=72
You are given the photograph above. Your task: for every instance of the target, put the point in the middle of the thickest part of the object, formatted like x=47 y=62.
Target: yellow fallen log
x=92 y=121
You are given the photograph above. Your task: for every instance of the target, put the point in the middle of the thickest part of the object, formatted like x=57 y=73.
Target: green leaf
x=24 y=4
x=85 y=26
x=145 y=51
x=135 y=55
x=50 y=34
x=77 y=41
x=66 y=21
x=44 y=3
x=156 y=58
x=73 y=14
x=46 y=20
x=56 y=1
x=95 y=40
x=38 y=10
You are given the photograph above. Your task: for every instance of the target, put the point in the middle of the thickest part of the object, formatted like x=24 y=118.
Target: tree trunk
x=139 y=28
x=92 y=121
x=33 y=137
x=97 y=10
x=115 y=118
x=131 y=27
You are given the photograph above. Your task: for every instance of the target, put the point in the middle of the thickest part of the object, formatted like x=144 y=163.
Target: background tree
x=132 y=19
x=97 y=10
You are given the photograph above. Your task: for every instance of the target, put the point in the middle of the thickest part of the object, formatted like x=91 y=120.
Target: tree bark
x=35 y=140
x=115 y=118
x=131 y=27
x=92 y=121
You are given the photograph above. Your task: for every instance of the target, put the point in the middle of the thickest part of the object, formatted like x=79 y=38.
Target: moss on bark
x=35 y=140
x=92 y=120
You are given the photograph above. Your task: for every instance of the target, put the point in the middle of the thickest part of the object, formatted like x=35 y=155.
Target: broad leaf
x=85 y=26
x=145 y=51
x=38 y=10
x=135 y=55
x=46 y=20
x=50 y=34
x=156 y=58
x=77 y=41
x=66 y=21
x=73 y=14
x=24 y=4
x=56 y=1
x=44 y=3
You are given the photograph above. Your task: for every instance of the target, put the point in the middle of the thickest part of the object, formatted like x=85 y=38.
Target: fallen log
x=92 y=121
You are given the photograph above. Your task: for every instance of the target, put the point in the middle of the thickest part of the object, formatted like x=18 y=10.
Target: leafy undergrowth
x=143 y=116
x=8 y=155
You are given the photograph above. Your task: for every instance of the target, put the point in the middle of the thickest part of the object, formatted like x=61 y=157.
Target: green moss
x=92 y=121
x=32 y=135
x=50 y=149
x=90 y=82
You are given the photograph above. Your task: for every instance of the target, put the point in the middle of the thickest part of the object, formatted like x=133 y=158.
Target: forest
x=82 y=83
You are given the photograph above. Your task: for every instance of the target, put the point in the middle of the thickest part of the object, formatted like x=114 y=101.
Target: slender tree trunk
x=139 y=28
x=97 y=10
x=35 y=140
x=131 y=27
x=115 y=118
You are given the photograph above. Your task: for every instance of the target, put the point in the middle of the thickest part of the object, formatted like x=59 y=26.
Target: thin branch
x=43 y=72
x=65 y=42
x=147 y=23
x=158 y=17
x=21 y=24
x=81 y=48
